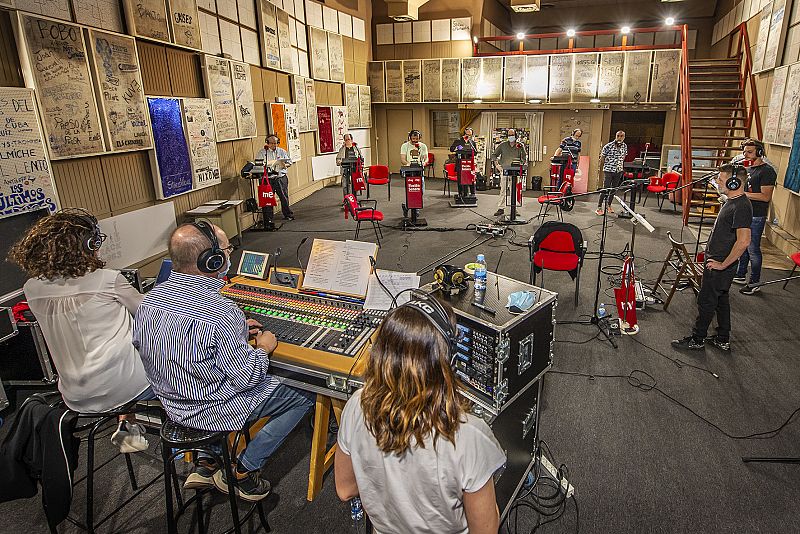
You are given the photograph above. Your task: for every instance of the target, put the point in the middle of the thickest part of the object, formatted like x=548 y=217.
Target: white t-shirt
x=414 y=154
x=87 y=324
x=422 y=491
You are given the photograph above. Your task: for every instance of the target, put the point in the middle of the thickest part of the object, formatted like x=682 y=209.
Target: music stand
x=558 y=168
x=465 y=171
x=513 y=173
x=348 y=166
x=412 y=178
x=257 y=172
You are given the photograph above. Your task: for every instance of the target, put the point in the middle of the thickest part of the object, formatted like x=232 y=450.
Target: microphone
x=297 y=253
x=284 y=279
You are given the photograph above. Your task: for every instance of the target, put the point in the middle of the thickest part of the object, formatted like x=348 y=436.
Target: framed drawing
x=220 y=89
x=536 y=77
x=364 y=106
x=431 y=80
x=203 y=156
x=170 y=158
x=352 y=104
x=560 y=87
x=584 y=84
x=376 y=80
x=336 y=57
x=490 y=87
x=320 y=66
x=147 y=18
x=514 y=79
x=664 y=76
x=451 y=80
x=636 y=78
x=412 y=80
x=243 y=99
x=609 y=85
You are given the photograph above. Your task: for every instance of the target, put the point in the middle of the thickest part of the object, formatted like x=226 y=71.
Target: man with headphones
x=572 y=146
x=729 y=238
x=761 y=179
x=508 y=153
x=414 y=151
x=278 y=160
x=193 y=343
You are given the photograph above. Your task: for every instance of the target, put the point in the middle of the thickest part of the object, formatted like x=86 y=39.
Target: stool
x=98 y=421
x=176 y=440
x=796 y=259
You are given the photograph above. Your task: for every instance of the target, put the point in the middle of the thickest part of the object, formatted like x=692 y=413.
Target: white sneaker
x=129 y=437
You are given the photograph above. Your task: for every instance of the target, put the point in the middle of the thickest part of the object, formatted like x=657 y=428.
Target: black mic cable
x=375 y=270
x=297 y=253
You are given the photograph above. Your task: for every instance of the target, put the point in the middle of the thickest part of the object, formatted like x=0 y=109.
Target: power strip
x=490 y=229
x=568 y=488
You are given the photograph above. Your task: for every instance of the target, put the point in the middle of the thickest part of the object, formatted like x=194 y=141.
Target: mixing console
x=307 y=321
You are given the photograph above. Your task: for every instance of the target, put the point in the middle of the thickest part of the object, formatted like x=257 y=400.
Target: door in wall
x=399 y=123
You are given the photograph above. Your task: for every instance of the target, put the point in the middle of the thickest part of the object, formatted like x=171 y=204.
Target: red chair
x=379 y=175
x=429 y=168
x=671 y=181
x=656 y=186
x=557 y=246
x=554 y=198
x=796 y=259
x=449 y=176
x=360 y=213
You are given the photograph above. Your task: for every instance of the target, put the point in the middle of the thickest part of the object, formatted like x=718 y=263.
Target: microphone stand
x=705 y=179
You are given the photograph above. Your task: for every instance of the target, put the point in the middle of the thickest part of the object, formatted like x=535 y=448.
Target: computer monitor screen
x=164 y=272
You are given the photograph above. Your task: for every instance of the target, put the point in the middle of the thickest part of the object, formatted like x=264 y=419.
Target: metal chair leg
x=358 y=227
x=790 y=275
x=166 y=455
x=374 y=227
x=131 y=474
x=226 y=460
x=577 y=285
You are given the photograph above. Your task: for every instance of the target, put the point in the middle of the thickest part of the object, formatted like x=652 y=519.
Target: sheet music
x=395 y=282
x=339 y=267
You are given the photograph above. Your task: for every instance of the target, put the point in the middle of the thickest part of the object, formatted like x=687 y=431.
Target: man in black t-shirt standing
x=728 y=240
x=759 y=187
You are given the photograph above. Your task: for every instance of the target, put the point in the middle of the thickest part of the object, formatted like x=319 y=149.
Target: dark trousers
x=752 y=255
x=610 y=179
x=280 y=185
x=714 y=299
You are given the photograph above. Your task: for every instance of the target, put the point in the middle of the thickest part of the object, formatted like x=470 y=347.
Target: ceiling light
x=475 y=39
x=477 y=101
x=595 y=100
x=670 y=21
x=626 y=30
x=520 y=36
x=570 y=33
x=534 y=101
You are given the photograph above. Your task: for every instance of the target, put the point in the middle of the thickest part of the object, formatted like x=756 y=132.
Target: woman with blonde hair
x=407 y=446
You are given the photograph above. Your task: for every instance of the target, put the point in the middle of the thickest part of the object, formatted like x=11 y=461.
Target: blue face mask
x=223 y=273
x=521 y=301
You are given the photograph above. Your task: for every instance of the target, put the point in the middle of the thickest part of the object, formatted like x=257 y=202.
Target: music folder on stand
x=412 y=178
x=465 y=171
x=513 y=173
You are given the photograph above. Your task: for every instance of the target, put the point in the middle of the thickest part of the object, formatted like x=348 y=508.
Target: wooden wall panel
x=421 y=50
x=185 y=74
x=226 y=159
x=80 y=184
x=181 y=204
x=255 y=78
x=347 y=47
x=10 y=72
x=243 y=151
x=129 y=180
x=269 y=82
x=155 y=73
x=349 y=72
x=321 y=93
x=442 y=49
x=361 y=74
x=262 y=124
x=403 y=51
x=461 y=48
x=360 y=51
x=385 y=52
x=284 y=87
x=229 y=189
x=335 y=94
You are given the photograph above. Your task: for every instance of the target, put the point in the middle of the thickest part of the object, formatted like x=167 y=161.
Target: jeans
x=285 y=407
x=610 y=179
x=146 y=395
x=753 y=253
x=714 y=299
x=280 y=185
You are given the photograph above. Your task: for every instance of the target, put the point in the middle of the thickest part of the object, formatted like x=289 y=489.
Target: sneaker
x=741 y=280
x=610 y=209
x=203 y=475
x=688 y=343
x=749 y=290
x=715 y=341
x=499 y=212
x=599 y=211
x=252 y=488
x=129 y=437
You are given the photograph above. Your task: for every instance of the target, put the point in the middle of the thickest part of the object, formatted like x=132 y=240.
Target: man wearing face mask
x=193 y=344
x=506 y=153
x=612 y=158
x=728 y=240
x=278 y=161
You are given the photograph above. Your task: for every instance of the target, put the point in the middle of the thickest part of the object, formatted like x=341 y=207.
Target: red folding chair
x=379 y=175
x=449 y=176
x=555 y=198
x=430 y=170
x=656 y=186
x=671 y=181
x=557 y=246
x=360 y=213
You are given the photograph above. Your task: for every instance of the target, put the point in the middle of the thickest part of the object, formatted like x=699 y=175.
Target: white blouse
x=87 y=323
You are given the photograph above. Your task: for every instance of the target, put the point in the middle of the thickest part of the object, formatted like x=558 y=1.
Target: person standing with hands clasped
x=729 y=238
x=761 y=178
x=465 y=142
x=350 y=151
x=506 y=153
x=612 y=157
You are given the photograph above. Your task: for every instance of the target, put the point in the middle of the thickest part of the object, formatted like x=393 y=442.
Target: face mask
x=223 y=273
x=512 y=139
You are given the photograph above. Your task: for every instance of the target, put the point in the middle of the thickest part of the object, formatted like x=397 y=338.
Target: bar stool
x=177 y=439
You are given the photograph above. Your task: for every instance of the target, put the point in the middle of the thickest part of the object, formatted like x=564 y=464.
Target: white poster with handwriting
x=243 y=98
x=199 y=123
x=25 y=180
x=218 y=85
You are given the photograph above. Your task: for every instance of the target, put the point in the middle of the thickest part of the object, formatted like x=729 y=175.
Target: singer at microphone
x=612 y=158
x=504 y=156
x=277 y=160
x=349 y=151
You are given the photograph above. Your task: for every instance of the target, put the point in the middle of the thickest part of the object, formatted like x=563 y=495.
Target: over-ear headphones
x=414 y=132
x=211 y=259
x=449 y=277
x=433 y=310
x=276 y=136
x=734 y=182
x=93 y=238
x=756 y=143
x=576 y=130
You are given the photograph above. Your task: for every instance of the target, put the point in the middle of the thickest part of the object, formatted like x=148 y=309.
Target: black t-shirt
x=757 y=177
x=466 y=145
x=736 y=213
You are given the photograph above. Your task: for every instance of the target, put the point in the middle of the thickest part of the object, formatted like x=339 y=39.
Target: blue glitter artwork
x=792 y=179
x=172 y=152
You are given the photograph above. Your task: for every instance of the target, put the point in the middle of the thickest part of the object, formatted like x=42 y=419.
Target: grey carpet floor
x=639 y=458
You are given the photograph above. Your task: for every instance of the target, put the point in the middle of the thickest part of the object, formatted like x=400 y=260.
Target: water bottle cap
x=481 y=257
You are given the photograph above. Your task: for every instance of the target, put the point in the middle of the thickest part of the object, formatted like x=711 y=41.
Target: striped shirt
x=193 y=343
x=572 y=147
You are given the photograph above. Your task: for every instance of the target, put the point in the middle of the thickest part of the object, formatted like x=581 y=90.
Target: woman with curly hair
x=407 y=445
x=86 y=315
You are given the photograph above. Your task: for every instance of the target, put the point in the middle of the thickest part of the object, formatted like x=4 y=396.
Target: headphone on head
x=93 y=238
x=756 y=143
x=211 y=259
x=414 y=132
x=734 y=182
x=433 y=310
x=276 y=136
x=576 y=130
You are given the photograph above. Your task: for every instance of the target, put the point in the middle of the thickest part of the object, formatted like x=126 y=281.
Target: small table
x=225 y=215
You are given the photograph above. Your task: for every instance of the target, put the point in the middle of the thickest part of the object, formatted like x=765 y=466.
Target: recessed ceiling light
x=595 y=100
x=534 y=101
x=520 y=36
x=477 y=101
x=570 y=33
x=626 y=30
x=670 y=21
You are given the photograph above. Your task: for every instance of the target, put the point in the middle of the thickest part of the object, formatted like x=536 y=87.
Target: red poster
x=414 y=192
x=325 y=129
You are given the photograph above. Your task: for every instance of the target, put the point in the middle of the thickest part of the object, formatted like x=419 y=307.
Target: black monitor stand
x=512 y=174
x=412 y=179
x=267 y=222
x=348 y=166
x=466 y=188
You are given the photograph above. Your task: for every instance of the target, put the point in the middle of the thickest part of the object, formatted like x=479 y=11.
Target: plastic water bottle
x=480 y=280
x=356 y=510
x=601 y=311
